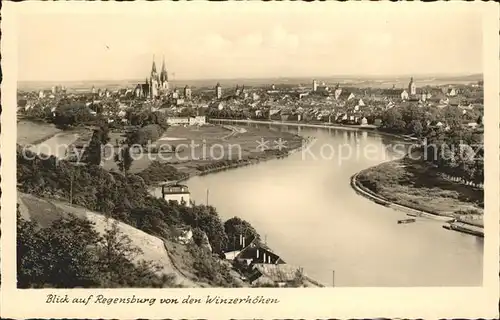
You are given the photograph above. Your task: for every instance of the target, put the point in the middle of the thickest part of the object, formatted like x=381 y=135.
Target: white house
x=176 y=121
x=452 y=92
x=198 y=120
x=177 y=192
x=404 y=95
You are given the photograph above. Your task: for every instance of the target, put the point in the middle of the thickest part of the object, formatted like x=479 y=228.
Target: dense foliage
x=235 y=227
x=160 y=172
x=70 y=253
x=417 y=120
x=121 y=197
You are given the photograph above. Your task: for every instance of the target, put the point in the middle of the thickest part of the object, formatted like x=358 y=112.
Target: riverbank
x=367 y=128
x=415 y=188
x=209 y=149
x=223 y=166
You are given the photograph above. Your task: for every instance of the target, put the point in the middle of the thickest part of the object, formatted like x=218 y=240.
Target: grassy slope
x=45 y=211
x=31 y=132
x=417 y=185
x=215 y=137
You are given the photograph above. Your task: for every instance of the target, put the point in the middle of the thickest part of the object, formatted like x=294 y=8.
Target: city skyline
x=250 y=41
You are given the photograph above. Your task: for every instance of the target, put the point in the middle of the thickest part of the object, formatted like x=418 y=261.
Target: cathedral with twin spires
x=156 y=85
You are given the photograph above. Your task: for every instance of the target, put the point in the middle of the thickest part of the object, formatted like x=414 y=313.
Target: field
x=419 y=186
x=207 y=144
x=29 y=132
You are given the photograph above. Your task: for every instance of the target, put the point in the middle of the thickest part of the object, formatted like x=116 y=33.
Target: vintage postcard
x=261 y=160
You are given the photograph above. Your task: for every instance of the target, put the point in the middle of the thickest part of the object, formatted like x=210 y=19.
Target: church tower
x=218 y=91
x=164 y=77
x=412 y=87
x=153 y=90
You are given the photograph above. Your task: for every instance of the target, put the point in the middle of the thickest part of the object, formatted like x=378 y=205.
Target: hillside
x=45 y=211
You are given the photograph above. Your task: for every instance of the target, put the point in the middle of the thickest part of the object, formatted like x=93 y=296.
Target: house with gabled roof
x=258 y=252
x=279 y=275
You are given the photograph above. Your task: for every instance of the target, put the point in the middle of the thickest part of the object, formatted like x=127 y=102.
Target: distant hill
x=355 y=80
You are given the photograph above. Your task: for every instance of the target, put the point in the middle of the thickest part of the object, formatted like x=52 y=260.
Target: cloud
x=253 y=40
x=279 y=38
x=215 y=42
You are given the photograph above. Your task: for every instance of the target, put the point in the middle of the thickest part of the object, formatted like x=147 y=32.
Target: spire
x=153 y=67
x=163 y=68
x=163 y=74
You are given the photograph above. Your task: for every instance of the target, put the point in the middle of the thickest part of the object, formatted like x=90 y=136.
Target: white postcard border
x=449 y=302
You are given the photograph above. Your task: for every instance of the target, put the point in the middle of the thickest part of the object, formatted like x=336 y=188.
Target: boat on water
x=413 y=214
x=406 y=221
x=465 y=228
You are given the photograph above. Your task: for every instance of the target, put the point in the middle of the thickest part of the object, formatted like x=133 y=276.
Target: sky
x=260 y=40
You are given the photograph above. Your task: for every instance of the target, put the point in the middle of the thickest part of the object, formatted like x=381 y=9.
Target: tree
x=93 y=151
x=416 y=128
x=104 y=133
x=236 y=227
x=58 y=256
x=70 y=253
x=453 y=116
x=124 y=159
x=479 y=120
x=70 y=113
x=116 y=255
x=393 y=120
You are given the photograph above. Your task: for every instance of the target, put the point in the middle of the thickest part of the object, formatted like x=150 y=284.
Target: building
x=279 y=275
x=412 y=87
x=191 y=121
x=177 y=121
x=258 y=252
x=218 y=91
x=175 y=94
x=177 y=192
x=187 y=92
x=404 y=95
x=198 y=120
x=315 y=85
x=156 y=85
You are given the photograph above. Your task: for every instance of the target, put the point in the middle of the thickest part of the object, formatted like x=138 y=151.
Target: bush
x=209 y=267
x=145 y=135
x=70 y=253
x=160 y=172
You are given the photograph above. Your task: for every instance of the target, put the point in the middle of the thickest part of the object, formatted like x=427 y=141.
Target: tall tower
x=164 y=77
x=218 y=91
x=153 y=90
x=187 y=92
x=412 y=87
x=315 y=85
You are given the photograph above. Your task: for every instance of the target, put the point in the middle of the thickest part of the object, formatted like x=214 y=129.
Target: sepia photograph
x=250 y=160
x=250 y=149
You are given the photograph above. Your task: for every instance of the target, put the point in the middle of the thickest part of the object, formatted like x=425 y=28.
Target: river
x=307 y=211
